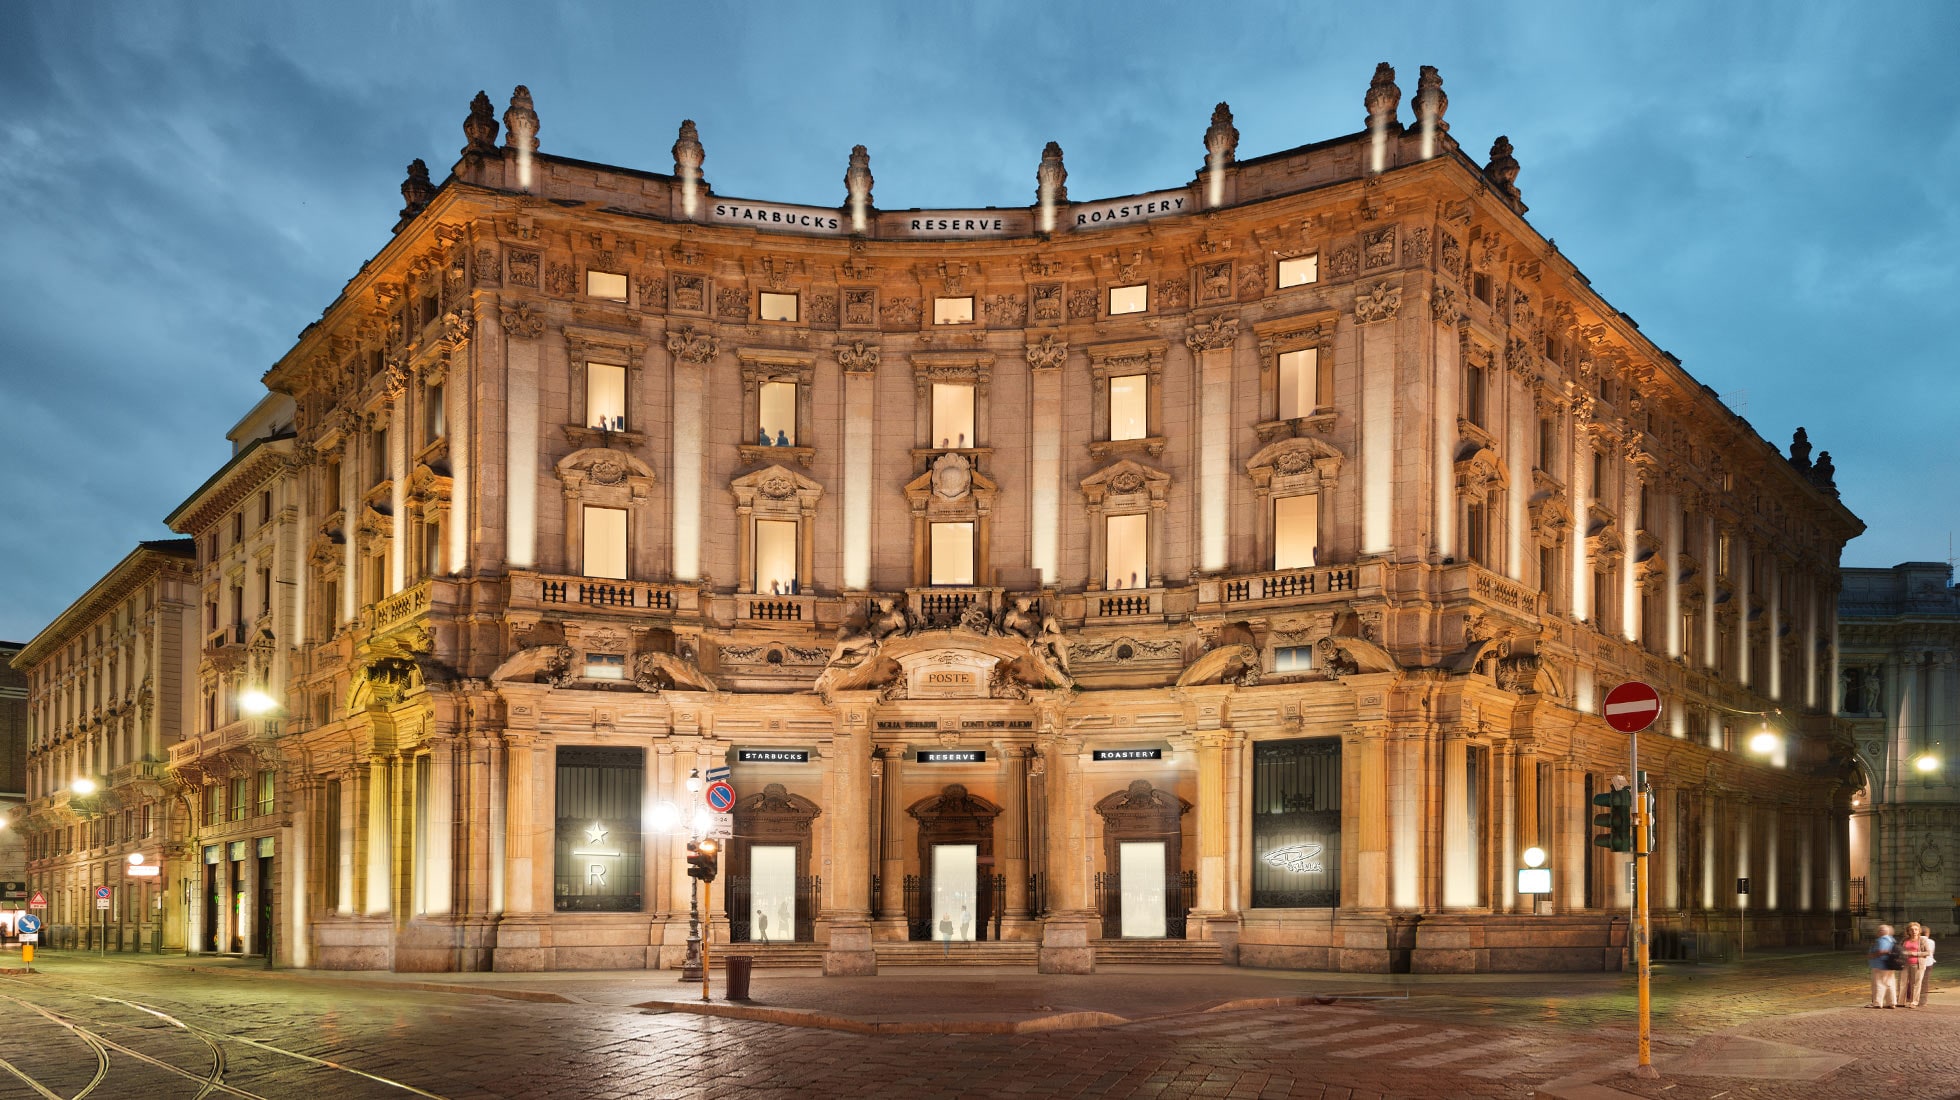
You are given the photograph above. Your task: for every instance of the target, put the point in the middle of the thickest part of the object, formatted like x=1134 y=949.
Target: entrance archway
x=771 y=893
x=1142 y=891
x=956 y=895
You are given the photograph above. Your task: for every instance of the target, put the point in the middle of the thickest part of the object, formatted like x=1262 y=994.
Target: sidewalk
x=917 y=999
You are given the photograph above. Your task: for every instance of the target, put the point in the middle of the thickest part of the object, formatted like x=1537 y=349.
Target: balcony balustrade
x=550 y=592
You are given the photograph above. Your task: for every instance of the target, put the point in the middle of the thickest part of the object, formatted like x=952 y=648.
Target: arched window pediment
x=593 y=472
x=1300 y=464
x=1126 y=483
x=777 y=489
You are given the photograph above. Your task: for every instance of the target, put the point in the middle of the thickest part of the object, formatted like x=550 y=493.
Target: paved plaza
x=1778 y=1026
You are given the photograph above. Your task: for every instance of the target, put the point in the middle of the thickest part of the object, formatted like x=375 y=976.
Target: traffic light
x=1617 y=820
x=702 y=857
x=1647 y=795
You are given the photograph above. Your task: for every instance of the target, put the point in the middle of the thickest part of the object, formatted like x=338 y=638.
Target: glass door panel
x=772 y=893
x=955 y=893
x=1142 y=868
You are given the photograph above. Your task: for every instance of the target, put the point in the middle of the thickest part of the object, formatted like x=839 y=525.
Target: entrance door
x=263 y=942
x=772 y=893
x=214 y=904
x=1141 y=866
x=955 y=891
x=239 y=900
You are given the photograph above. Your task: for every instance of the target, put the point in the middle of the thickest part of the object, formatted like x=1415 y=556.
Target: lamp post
x=691 y=966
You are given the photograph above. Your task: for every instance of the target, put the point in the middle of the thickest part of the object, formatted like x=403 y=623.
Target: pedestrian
x=1918 y=952
x=1885 y=969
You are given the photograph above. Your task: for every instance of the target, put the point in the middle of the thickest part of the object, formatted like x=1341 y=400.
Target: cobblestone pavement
x=144 y=1031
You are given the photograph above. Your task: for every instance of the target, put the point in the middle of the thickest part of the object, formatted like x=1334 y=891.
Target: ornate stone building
x=106 y=685
x=1900 y=629
x=13 y=775
x=1227 y=571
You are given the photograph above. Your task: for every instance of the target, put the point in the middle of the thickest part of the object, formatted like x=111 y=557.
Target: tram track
x=212 y=1038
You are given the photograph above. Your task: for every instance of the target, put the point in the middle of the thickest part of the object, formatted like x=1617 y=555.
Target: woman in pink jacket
x=1917 y=947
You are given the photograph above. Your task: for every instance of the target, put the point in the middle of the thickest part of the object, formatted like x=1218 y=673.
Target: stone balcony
x=1277 y=588
x=550 y=592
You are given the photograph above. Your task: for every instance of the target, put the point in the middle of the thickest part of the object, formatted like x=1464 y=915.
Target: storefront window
x=1296 y=823
x=598 y=829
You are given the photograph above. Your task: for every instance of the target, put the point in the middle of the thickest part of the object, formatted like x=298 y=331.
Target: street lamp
x=691 y=966
x=1765 y=741
x=83 y=786
x=1534 y=857
x=1926 y=763
x=256 y=701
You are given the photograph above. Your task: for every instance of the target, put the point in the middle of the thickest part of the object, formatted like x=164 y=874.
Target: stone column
x=1072 y=921
x=378 y=879
x=850 y=951
x=1459 y=876
x=1569 y=863
x=891 y=854
x=859 y=402
x=1503 y=894
x=1013 y=823
x=1035 y=766
x=521 y=875
x=1368 y=743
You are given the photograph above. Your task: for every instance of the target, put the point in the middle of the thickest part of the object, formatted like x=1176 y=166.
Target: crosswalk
x=1357 y=1034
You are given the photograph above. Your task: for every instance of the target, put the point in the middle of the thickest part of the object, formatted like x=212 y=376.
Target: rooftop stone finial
x=1430 y=100
x=480 y=127
x=1800 y=450
x=521 y=122
x=1051 y=179
x=857 y=178
x=1222 y=138
x=688 y=153
x=416 y=189
x=1503 y=171
x=1824 y=474
x=1383 y=97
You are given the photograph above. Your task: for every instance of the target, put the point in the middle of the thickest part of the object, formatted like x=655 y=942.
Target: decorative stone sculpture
x=688 y=153
x=521 y=122
x=1502 y=171
x=1800 y=450
x=1222 y=138
x=416 y=189
x=480 y=128
x=1383 y=98
x=857 y=186
x=1430 y=101
x=889 y=620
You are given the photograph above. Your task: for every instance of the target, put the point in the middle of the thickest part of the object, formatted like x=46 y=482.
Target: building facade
x=1900 y=632
x=13 y=784
x=1235 y=568
x=106 y=684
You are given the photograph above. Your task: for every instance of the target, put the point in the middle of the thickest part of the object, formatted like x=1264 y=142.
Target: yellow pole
x=27 y=954
x=1641 y=954
x=707 y=931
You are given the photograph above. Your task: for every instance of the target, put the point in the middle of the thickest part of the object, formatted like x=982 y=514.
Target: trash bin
x=736 y=986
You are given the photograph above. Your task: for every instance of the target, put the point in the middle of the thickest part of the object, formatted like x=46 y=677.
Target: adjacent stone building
x=13 y=780
x=1900 y=631
x=106 y=684
x=1231 y=571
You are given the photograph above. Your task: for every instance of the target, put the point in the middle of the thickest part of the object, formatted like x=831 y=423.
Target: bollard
x=27 y=954
x=735 y=986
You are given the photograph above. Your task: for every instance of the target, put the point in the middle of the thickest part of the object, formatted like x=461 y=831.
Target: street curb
x=532 y=995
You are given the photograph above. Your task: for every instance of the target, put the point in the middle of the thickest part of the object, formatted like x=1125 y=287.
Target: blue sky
x=1767 y=188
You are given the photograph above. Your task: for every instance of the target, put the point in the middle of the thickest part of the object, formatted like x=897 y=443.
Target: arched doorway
x=1143 y=891
x=772 y=895
x=956 y=894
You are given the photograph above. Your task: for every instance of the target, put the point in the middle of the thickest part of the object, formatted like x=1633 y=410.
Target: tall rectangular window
x=952 y=553
x=267 y=787
x=605 y=396
x=1296 y=823
x=1128 y=405
x=438 y=423
x=1128 y=299
x=239 y=799
x=609 y=285
x=952 y=414
x=774 y=305
x=1296 y=531
x=431 y=548
x=1126 y=561
x=775 y=556
x=1476 y=533
x=599 y=798
x=778 y=403
x=332 y=480
x=1298 y=271
x=605 y=542
x=952 y=311
x=1299 y=383
x=1545 y=444
x=1475 y=380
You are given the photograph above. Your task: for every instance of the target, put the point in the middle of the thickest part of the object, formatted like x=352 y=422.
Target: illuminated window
x=952 y=414
x=1293 y=658
x=605 y=396
x=1299 y=271
x=605 y=284
x=1299 y=382
x=1296 y=531
x=605 y=666
x=1126 y=558
x=1128 y=299
x=775 y=556
x=777 y=306
x=605 y=542
x=952 y=311
x=267 y=789
x=238 y=800
x=598 y=849
x=1127 y=402
x=952 y=553
x=1296 y=824
x=437 y=424
x=778 y=403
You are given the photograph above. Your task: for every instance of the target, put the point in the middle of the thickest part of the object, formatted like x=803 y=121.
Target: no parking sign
x=720 y=796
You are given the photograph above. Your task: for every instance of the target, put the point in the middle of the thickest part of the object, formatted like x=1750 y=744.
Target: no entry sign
x=1632 y=707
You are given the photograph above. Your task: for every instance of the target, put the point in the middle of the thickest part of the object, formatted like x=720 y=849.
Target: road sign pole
x=1642 y=948
x=707 y=934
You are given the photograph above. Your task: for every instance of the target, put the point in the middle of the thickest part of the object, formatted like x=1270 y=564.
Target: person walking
x=1918 y=952
x=1885 y=969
